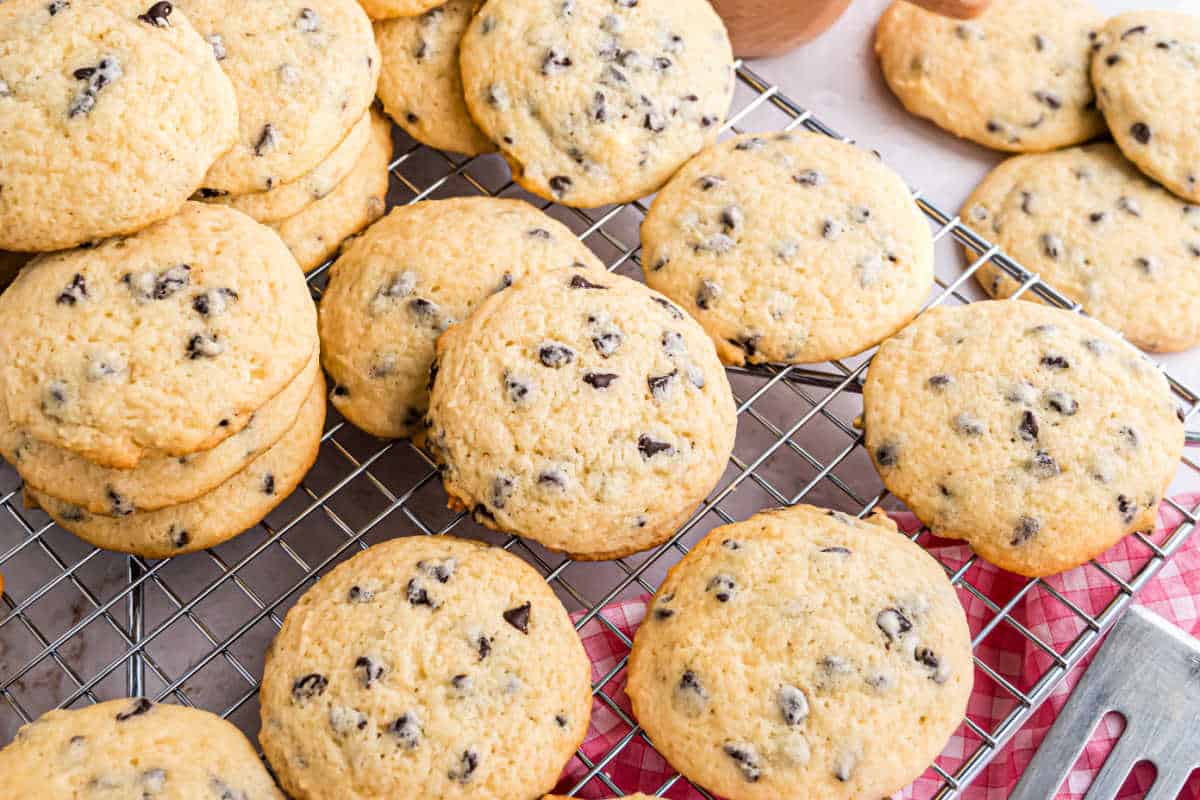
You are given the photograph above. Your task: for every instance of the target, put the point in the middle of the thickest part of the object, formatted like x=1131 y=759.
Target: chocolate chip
x=519 y=617
x=358 y=594
x=267 y=140
x=709 y=182
x=893 y=623
x=218 y=47
x=1112 y=59
x=660 y=385
x=1055 y=362
x=967 y=425
x=213 y=302
x=468 y=762
x=754 y=143
x=1028 y=429
x=140 y=706
x=927 y=658
x=407 y=730
x=1096 y=216
x=417 y=595
x=553 y=477
x=886 y=455
x=310 y=686
x=580 y=282
x=793 y=704
x=56 y=6
x=1027 y=202
x=502 y=489
x=204 y=345
x=860 y=214
x=107 y=70
x=732 y=217
x=268 y=484
x=1043 y=465
x=518 y=387
x=157 y=15
x=746 y=759
x=555 y=355
x=599 y=380
x=1025 y=529
x=671 y=308
x=555 y=61
x=723 y=587
x=178 y=536
x=441 y=570
x=809 y=177
x=368 y=671
x=650 y=447
x=75 y=292
x=1062 y=403
x=308 y=22
x=560 y=720
x=1050 y=99
x=1136 y=29
x=1130 y=206
x=654 y=122
x=1127 y=508
x=483 y=646
x=939 y=382
x=606 y=343
x=1052 y=246
x=560 y=185
x=707 y=295
x=672 y=343
x=1039 y=42
x=1140 y=132
x=118 y=503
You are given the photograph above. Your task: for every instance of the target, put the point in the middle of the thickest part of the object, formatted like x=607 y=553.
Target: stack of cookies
x=116 y=112
x=1113 y=226
x=161 y=392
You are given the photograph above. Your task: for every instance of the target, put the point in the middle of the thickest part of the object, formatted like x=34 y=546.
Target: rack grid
x=79 y=625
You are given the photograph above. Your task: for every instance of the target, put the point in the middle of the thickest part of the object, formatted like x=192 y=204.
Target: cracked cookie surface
x=134 y=748
x=789 y=247
x=409 y=278
x=425 y=666
x=1147 y=76
x=584 y=411
x=166 y=341
x=304 y=72
x=776 y=654
x=1100 y=232
x=1014 y=78
x=594 y=101
x=1037 y=435
x=110 y=121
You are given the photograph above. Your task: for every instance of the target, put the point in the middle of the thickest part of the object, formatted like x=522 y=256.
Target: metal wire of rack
x=78 y=624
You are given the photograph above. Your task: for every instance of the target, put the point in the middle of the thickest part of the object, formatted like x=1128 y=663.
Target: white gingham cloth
x=1174 y=594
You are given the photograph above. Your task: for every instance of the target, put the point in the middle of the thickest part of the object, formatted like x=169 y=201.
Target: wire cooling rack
x=79 y=625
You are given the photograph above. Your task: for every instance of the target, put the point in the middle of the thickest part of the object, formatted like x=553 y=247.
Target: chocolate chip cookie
x=596 y=101
x=292 y=198
x=1038 y=435
x=1097 y=230
x=133 y=748
x=165 y=341
x=583 y=411
x=802 y=653
x=1145 y=71
x=789 y=247
x=318 y=230
x=111 y=112
x=425 y=667
x=1014 y=78
x=159 y=480
x=387 y=9
x=240 y=503
x=410 y=277
x=304 y=72
x=420 y=83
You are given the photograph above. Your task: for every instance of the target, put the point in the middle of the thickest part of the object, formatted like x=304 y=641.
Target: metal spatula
x=1148 y=671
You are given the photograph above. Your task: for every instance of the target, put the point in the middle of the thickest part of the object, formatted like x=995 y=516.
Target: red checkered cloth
x=1174 y=594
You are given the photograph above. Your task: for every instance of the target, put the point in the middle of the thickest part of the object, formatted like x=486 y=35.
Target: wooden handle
x=961 y=9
